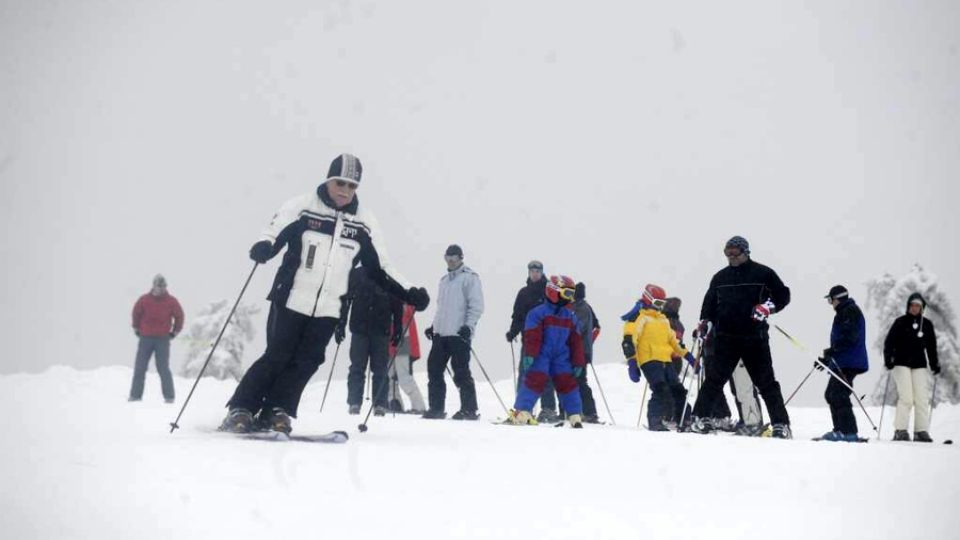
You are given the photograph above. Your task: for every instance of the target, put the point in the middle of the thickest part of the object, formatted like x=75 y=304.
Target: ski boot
x=237 y=421
x=781 y=431
x=901 y=435
x=702 y=426
x=749 y=430
x=274 y=419
x=434 y=415
x=725 y=424
x=379 y=410
x=576 y=421
x=465 y=415
x=548 y=416
x=396 y=406
x=921 y=436
x=168 y=400
x=833 y=436
x=591 y=419
x=353 y=409
x=520 y=418
x=657 y=425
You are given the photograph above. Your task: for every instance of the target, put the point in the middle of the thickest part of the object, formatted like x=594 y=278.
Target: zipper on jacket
x=337 y=231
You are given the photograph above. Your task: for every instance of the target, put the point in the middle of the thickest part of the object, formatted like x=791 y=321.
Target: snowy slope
x=79 y=462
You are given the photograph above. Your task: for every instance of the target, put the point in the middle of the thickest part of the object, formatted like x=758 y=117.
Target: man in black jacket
x=736 y=307
x=374 y=313
x=528 y=298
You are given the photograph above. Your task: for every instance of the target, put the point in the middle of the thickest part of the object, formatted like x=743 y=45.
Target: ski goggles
x=564 y=293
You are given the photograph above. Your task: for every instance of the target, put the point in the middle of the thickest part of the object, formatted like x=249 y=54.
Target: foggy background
x=620 y=142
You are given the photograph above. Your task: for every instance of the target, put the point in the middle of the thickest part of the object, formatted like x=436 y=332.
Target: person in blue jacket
x=552 y=349
x=847 y=357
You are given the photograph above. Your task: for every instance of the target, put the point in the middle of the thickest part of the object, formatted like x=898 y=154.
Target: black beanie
x=453 y=249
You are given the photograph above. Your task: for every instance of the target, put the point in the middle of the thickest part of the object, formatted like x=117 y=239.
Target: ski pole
x=175 y=424
x=477 y=358
x=604 y=396
x=788 y=336
x=686 y=392
x=513 y=357
x=785 y=403
x=373 y=402
x=329 y=377
x=643 y=400
x=883 y=404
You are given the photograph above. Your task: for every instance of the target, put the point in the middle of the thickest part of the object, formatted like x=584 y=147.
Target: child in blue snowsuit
x=552 y=349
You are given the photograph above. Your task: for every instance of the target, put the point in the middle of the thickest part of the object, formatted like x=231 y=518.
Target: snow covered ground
x=80 y=462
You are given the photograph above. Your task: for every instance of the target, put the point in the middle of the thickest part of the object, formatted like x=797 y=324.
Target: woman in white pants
x=401 y=373
x=910 y=350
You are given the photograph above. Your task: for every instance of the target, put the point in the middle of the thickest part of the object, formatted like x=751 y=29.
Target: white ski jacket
x=323 y=245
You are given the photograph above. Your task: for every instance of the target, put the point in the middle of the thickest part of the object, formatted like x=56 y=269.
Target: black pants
x=667 y=394
x=720 y=409
x=755 y=353
x=455 y=350
x=838 y=397
x=296 y=344
x=364 y=347
x=586 y=396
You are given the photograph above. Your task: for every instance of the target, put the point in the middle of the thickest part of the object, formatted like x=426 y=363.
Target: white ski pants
x=913 y=389
x=402 y=373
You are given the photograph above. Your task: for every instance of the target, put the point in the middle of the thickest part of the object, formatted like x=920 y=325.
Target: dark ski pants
x=755 y=353
x=296 y=344
x=668 y=396
x=586 y=397
x=456 y=351
x=159 y=347
x=838 y=397
x=364 y=348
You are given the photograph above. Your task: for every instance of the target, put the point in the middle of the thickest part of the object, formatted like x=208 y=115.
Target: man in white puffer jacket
x=326 y=234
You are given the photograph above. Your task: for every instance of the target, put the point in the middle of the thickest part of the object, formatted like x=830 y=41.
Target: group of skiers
x=335 y=275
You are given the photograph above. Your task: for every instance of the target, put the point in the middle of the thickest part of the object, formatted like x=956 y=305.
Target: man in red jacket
x=157 y=318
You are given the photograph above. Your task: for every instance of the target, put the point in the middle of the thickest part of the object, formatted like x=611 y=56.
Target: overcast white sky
x=619 y=142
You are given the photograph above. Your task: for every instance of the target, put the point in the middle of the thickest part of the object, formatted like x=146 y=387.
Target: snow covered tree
x=888 y=296
x=227 y=360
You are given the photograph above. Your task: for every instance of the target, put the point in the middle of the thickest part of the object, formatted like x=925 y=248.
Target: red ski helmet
x=655 y=296
x=560 y=289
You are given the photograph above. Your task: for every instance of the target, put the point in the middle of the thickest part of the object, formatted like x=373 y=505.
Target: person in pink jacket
x=157 y=318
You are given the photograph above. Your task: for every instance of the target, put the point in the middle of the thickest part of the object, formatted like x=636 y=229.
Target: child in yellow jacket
x=649 y=345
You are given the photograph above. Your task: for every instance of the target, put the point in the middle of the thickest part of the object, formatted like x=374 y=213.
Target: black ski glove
x=173 y=335
x=429 y=333
x=629 y=351
x=339 y=333
x=935 y=369
x=818 y=365
x=262 y=251
x=511 y=335
x=465 y=333
x=418 y=298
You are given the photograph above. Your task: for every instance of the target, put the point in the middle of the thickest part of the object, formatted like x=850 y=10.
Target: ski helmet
x=654 y=296
x=560 y=289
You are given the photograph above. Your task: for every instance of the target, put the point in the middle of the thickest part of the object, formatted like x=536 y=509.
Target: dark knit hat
x=453 y=249
x=580 y=291
x=837 y=292
x=345 y=167
x=159 y=281
x=535 y=265
x=738 y=242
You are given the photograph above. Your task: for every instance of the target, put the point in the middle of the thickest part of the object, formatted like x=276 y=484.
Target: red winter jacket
x=413 y=339
x=152 y=315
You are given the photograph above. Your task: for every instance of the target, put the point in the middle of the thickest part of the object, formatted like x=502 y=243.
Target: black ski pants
x=755 y=353
x=586 y=396
x=668 y=396
x=296 y=345
x=456 y=351
x=364 y=348
x=838 y=397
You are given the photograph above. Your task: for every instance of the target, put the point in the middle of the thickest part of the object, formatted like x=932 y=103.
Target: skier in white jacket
x=326 y=233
